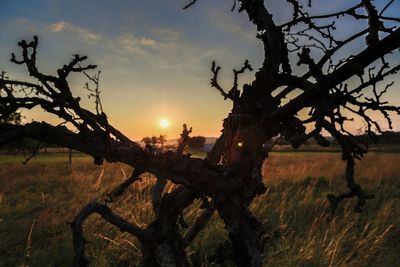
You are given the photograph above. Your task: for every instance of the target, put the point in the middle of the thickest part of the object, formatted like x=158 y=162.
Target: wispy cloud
x=58 y=26
x=165 y=34
x=227 y=23
x=66 y=27
x=161 y=48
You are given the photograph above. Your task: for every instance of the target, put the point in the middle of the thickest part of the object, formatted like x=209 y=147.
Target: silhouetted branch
x=352 y=67
x=94 y=92
x=214 y=80
x=350 y=150
x=190 y=4
x=199 y=224
x=373 y=21
x=157 y=193
x=33 y=153
x=275 y=49
x=120 y=189
x=234 y=93
x=184 y=139
x=109 y=216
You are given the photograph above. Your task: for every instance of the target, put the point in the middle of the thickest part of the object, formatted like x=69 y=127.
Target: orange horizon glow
x=207 y=125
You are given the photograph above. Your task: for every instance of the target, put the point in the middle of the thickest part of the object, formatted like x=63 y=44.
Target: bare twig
x=190 y=4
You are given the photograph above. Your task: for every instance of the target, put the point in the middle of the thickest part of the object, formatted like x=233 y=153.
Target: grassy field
x=37 y=200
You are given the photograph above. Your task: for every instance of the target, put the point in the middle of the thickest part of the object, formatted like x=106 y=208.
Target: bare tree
x=229 y=178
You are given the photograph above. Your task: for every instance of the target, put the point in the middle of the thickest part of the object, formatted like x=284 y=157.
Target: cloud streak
x=63 y=26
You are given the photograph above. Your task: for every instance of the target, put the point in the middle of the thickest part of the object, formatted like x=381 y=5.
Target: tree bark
x=243 y=232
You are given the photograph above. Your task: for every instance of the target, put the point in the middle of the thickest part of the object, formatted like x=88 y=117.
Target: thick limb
x=168 y=247
x=244 y=232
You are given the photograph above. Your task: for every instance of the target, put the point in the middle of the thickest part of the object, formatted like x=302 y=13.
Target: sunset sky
x=155 y=57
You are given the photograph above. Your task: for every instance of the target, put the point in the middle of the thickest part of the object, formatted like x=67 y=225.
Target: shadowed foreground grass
x=37 y=201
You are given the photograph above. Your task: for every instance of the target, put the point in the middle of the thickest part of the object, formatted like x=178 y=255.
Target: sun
x=164 y=123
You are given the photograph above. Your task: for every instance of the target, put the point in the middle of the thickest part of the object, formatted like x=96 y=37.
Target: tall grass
x=37 y=201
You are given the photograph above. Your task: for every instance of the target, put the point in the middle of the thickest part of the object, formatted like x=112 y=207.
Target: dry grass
x=294 y=166
x=37 y=200
x=303 y=233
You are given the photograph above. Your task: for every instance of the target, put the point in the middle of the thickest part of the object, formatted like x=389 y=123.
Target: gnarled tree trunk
x=229 y=178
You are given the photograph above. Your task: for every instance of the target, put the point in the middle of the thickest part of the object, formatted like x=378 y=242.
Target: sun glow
x=164 y=123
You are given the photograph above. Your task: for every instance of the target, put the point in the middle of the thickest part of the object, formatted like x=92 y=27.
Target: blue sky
x=155 y=57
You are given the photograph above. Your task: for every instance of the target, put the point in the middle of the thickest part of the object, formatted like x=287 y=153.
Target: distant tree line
x=388 y=137
x=154 y=143
x=21 y=145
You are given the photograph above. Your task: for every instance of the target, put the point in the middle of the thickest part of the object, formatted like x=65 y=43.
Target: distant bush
x=197 y=142
x=390 y=138
x=21 y=146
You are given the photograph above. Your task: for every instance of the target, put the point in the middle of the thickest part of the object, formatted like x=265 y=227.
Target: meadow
x=38 y=200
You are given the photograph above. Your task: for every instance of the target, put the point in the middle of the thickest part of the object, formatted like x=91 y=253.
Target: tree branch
x=109 y=216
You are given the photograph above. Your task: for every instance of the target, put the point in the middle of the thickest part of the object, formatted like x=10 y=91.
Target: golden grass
x=37 y=200
x=294 y=166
